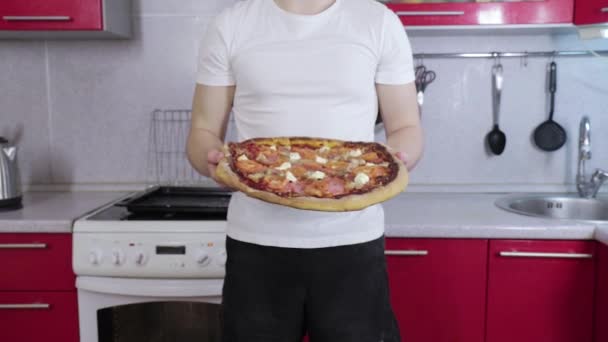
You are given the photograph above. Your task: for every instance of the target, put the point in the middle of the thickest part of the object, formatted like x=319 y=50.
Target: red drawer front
x=32 y=262
x=51 y=15
x=25 y=316
x=486 y=13
x=438 y=288
x=591 y=12
x=543 y=296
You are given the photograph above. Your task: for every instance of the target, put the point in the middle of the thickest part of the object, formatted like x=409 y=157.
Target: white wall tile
x=457 y=113
x=105 y=92
x=23 y=107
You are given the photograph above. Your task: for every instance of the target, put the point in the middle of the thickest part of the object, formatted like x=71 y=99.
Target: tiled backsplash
x=83 y=107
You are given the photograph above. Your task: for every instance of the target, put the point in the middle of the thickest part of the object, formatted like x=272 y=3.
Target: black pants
x=335 y=294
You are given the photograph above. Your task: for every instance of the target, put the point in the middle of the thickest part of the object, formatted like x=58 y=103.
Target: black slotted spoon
x=550 y=136
x=496 y=139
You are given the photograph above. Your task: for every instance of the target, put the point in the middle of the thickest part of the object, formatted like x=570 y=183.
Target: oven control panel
x=150 y=255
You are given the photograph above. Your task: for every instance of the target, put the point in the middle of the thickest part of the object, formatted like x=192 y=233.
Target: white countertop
x=601 y=234
x=465 y=215
x=423 y=215
x=53 y=212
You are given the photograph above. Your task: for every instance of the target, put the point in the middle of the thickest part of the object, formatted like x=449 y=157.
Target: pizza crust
x=347 y=203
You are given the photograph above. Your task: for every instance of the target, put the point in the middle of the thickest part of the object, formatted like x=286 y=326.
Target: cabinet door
x=591 y=12
x=51 y=15
x=601 y=295
x=438 y=288
x=540 y=291
x=36 y=262
x=489 y=12
x=38 y=316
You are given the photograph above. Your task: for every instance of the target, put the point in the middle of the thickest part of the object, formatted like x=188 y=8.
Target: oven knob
x=140 y=258
x=118 y=257
x=222 y=256
x=203 y=258
x=95 y=257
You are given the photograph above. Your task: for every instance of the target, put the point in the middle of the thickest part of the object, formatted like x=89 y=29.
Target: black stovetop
x=167 y=203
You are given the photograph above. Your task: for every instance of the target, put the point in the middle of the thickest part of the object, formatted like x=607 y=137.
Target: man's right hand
x=213 y=158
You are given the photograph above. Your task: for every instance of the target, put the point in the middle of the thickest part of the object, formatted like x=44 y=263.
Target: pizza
x=313 y=173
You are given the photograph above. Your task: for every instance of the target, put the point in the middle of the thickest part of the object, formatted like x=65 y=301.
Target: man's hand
x=213 y=158
x=403 y=157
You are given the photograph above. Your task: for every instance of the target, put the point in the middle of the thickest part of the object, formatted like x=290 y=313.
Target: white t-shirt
x=304 y=75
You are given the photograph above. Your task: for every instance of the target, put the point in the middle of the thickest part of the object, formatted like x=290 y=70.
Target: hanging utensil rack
x=496 y=54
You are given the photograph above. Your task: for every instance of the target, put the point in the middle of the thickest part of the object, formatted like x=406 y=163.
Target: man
x=315 y=68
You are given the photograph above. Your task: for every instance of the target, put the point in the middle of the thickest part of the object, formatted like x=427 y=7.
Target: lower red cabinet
x=540 y=291
x=438 y=288
x=38 y=300
x=32 y=262
x=601 y=294
x=38 y=316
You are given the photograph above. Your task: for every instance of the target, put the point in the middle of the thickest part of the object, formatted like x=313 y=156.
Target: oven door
x=150 y=310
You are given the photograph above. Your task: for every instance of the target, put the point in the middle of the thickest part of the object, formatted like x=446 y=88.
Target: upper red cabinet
x=65 y=18
x=591 y=12
x=51 y=15
x=486 y=12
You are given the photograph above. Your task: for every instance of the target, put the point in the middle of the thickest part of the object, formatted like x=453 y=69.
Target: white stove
x=158 y=246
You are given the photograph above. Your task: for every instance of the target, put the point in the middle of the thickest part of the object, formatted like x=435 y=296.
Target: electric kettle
x=10 y=193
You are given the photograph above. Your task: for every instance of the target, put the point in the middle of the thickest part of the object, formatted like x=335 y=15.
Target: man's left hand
x=403 y=157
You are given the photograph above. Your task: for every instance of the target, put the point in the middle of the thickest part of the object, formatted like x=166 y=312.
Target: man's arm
x=399 y=111
x=210 y=111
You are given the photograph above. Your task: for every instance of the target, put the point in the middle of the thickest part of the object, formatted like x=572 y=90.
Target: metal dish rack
x=167 y=161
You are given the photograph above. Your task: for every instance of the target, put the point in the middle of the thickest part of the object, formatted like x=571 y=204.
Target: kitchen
x=92 y=119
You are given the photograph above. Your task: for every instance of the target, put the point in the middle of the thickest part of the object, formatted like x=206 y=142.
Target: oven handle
x=168 y=288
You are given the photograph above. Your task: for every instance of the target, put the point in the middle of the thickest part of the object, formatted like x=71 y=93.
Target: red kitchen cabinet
x=33 y=262
x=588 y=12
x=601 y=294
x=438 y=288
x=38 y=316
x=491 y=12
x=65 y=19
x=51 y=15
x=540 y=291
x=38 y=300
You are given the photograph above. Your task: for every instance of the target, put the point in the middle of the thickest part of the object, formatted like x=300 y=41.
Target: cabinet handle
x=428 y=13
x=22 y=245
x=410 y=252
x=36 y=18
x=604 y=9
x=36 y=306
x=546 y=255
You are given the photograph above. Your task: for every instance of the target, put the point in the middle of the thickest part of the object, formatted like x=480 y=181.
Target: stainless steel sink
x=557 y=207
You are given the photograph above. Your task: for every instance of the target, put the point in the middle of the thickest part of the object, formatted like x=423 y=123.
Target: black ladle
x=496 y=139
x=550 y=136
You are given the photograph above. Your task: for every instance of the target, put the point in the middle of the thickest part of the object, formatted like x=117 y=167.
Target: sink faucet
x=587 y=188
